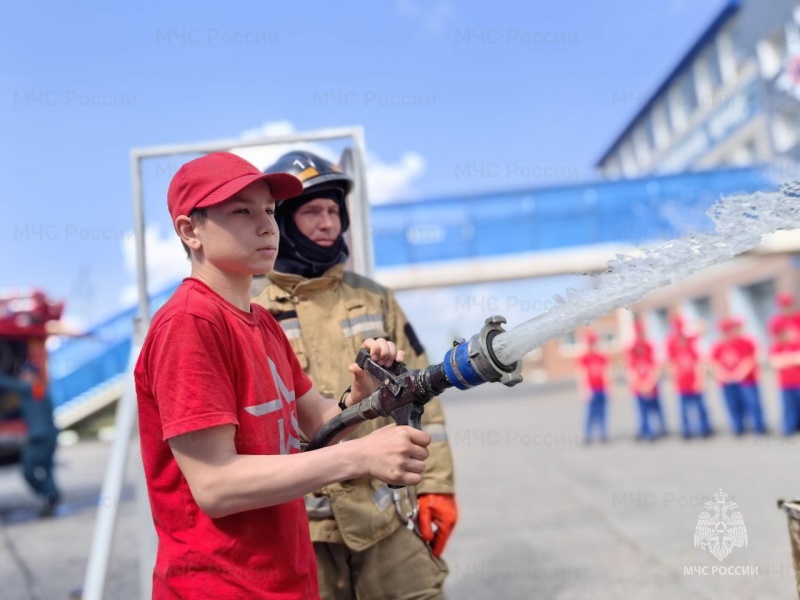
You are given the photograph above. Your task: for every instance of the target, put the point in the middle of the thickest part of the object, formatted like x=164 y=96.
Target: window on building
x=701 y=310
x=641 y=143
x=660 y=125
x=658 y=322
x=688 y=93
x=569 y=341
x=708 y=76
x=677 y=109
x=628 y=159
x=727 y=55
x=771 y=53
x=785 y=127
x=759 y=302
x=713 y=68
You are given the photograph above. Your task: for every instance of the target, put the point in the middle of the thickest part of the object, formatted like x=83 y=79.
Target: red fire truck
x=24 y=316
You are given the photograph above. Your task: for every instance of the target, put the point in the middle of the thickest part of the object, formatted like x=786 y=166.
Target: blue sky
x=540 y=88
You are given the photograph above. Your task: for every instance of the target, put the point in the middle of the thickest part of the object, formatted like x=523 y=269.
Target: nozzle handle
x=386 y=377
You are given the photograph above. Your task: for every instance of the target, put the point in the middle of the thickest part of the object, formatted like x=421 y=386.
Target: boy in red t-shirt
x=643 y=375
x=223 y=401
x=685 y=368
x=592 y=381
x=734 y=363
x=784 y=356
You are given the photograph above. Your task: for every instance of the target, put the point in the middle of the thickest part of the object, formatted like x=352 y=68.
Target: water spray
x=494 y=354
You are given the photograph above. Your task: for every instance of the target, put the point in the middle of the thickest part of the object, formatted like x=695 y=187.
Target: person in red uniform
x=223 y=401
x=734 y=363
x=787 y=318
x=643 y=375
x=784 y=356
x=685 y=367
x=593 y=365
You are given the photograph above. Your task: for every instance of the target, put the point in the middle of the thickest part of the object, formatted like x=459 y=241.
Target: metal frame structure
x=362 y=262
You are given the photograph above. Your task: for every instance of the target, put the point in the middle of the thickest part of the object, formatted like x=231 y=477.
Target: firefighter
x=370 y=541
x=36 y=408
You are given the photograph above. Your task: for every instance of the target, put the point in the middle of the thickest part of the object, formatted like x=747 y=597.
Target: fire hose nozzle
x=403 y=394
x=474 y=362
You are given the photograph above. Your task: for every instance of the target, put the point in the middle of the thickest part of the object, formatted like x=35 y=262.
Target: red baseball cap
x=217 y=177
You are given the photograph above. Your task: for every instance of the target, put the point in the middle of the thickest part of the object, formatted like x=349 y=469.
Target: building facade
x=732 y=100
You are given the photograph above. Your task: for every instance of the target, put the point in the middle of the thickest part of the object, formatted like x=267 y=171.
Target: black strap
x=342 y=405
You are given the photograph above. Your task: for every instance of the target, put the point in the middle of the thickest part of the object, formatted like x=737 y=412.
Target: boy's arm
x=721 y=373
x=743 y=370
x=224 y=482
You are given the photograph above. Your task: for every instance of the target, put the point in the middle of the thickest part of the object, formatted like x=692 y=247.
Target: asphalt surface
x=541 y=515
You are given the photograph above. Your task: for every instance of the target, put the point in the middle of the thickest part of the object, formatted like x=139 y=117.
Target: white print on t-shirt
x=284 y=395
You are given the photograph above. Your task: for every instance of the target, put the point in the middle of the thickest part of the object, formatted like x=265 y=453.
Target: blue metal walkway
x=477 y=227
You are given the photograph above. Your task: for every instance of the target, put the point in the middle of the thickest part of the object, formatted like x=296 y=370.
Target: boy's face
x=319 y=221
x=240 y=235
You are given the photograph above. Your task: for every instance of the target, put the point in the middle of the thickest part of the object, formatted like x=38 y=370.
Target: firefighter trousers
x=399 y=567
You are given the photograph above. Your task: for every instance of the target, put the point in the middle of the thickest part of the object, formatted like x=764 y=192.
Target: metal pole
x=97 y=567
x=363 y=261
x=139 y=229
x=95 y=580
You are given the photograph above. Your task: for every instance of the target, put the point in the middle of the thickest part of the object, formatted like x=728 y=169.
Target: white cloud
x=393 y=181
x=166 y=262
x=263 y=156
x=432 y=15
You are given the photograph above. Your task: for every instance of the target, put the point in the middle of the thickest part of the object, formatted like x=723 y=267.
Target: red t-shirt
x=594 y=365
x=731 y=353
x=684 y=359
x=789 y=376
x=642 y=369
x=206 y=363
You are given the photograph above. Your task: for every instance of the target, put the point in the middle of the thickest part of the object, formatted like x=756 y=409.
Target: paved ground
x=542 y=516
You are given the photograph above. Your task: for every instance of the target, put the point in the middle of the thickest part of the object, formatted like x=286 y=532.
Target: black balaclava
x=299 y=255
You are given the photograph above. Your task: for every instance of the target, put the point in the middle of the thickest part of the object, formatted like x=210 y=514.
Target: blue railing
x=478 y=227
x=80 y=364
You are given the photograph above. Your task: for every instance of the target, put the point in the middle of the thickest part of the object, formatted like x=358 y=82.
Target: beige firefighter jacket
x=327 y=320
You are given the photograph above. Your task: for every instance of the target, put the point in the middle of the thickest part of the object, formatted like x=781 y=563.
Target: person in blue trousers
x=36 y=408
x=685 y=365
x=592 y=380
x=643 y=375
x=784 y=356
x=734 y=363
